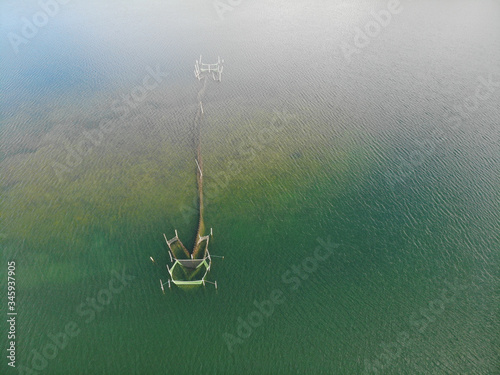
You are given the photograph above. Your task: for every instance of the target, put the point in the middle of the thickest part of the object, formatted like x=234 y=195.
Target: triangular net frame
x=187 y=270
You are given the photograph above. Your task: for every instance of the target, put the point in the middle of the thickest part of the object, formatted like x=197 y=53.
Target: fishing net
x=188 y=270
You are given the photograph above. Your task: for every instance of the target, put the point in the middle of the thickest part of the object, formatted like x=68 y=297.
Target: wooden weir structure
x=191 y=268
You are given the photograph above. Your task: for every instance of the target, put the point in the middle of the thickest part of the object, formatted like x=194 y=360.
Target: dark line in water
x=199 y=168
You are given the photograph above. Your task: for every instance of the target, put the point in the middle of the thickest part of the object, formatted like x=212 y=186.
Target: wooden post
x=201 y=174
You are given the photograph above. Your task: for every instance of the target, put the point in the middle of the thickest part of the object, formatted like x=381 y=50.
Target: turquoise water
x=347 y=192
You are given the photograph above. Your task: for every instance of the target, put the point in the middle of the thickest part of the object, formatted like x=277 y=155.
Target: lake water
x=351 y=180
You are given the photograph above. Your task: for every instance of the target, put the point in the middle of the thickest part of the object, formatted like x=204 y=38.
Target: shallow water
x=304 y=152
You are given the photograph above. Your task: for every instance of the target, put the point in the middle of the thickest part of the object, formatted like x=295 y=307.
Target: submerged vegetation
x=140 y=181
